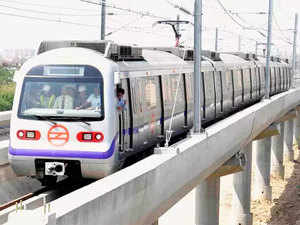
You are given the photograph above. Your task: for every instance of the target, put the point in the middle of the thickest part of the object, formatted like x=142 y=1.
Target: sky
x=25 y=23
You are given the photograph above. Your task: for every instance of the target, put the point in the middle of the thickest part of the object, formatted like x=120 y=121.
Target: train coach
x=65 y=119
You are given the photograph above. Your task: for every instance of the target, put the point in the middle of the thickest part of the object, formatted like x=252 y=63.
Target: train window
x=166 y=90
x=189 y=87
x=209 y=88
x=134 y=95
x=139 y=92
x=219 y=89
x=258 y=82
x=262 y=76
x=237 y=79
x=174 y=79
x=150 y=93
x=64 y=71
x=228 y=79
x=247 y=82
x=62 y=98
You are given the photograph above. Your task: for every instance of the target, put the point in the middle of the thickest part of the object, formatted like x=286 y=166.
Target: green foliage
x=7 y=89
x=6 y=76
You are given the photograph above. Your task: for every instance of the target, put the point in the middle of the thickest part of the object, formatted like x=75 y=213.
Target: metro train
x=65 y=120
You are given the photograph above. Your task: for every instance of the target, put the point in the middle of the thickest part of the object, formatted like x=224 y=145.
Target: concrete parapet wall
x=5 y=118
x=4 y=152
x=141 y=193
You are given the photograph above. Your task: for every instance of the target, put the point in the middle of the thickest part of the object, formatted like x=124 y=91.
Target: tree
x=6 y=76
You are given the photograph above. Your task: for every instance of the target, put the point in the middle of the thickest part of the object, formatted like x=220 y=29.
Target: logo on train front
x=58 y=135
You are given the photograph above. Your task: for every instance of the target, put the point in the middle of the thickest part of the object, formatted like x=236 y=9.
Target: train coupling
x=54 y=168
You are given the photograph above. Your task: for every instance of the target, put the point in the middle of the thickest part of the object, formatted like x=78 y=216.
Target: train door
x=209 y=96
x=281 y=79
x=262 y=74
x=259 y=83
x=290 y=77
x=287 y=81
x=167 y=101
x=228 y=94
x=278 y=80
x=254 y=77
x=237 y=87
x=219 y=93
x=247 y=85
x=185 y=101
x=153 y=111
x=125 y=119
x=138 y=114
x=189 y=99
x=272 y=81
x=178 y=121
x=285 y=78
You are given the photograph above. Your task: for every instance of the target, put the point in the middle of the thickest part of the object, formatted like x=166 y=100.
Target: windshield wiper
x=45 y=118
x=73 y=118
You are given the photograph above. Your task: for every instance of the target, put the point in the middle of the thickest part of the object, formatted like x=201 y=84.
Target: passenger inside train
x=121 y=106
x=38 y=97
x=66 y=99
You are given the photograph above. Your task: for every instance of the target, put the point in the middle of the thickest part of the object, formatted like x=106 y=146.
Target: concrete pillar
x=262 y=188
x=207 y=202
x=241 y=196
x=288 y=140
x=297 y=130
x=277 y=168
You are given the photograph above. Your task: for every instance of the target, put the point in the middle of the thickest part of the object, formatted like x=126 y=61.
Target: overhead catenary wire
x=141 y=13
x=284 y=38
x=121 y=27
x=234 y=20
x=44 y=12
x=48 y=20
x=229 y=14
x=46 y=6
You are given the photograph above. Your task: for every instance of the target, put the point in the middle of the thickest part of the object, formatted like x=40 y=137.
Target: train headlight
x=98 y=137
x=90 y=137
x=28 y=134
x=20 y=134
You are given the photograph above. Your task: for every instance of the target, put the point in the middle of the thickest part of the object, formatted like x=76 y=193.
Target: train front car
x=64 y=116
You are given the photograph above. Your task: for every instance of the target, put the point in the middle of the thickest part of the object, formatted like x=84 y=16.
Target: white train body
x=96 y=159
x=92 y=139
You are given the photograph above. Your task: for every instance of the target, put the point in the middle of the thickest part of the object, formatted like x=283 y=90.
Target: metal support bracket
x=289 y=116
x=234 y=165
x=166 y=150
x=269 y=132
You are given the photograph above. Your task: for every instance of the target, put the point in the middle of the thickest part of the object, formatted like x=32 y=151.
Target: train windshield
x=65 y=98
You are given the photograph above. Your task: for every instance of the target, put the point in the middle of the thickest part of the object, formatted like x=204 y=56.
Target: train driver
x=66 y=99
x=81 y=100
x=47 y=99
x=93 y=101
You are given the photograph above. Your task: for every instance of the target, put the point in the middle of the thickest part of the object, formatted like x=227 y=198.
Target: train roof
x=109 y=49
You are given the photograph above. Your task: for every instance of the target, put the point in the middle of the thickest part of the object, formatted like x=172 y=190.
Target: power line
x=121 y=27
x=44 y=12
x=48 y=20
x=284 y=38
x=141 y=13
x=228 y=13
x=235 y=21
x=46 y=6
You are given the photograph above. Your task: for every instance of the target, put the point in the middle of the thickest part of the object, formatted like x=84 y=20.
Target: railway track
x=41 y=197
